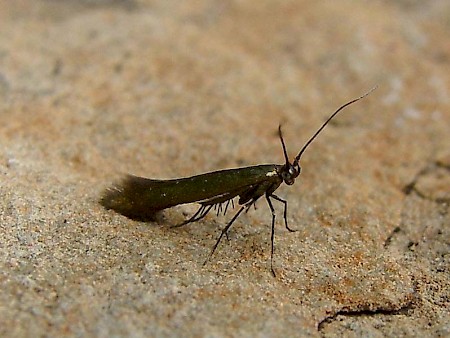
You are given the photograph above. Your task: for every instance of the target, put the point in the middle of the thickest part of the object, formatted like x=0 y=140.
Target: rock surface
x=94 y=89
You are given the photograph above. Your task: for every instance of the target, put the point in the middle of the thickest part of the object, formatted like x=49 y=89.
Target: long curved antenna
x=297 y=158
x=286 y=157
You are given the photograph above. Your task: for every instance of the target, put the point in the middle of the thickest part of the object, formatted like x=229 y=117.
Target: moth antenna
x=297 y=158
x=286 y=157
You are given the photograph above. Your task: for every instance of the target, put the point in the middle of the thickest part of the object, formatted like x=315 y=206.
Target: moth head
x=290 y=173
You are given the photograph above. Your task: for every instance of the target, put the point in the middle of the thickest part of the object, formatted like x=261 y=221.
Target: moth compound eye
x=294 y=171
x=289 y=176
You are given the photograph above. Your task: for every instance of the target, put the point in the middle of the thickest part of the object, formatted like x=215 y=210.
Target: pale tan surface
x=93 y=89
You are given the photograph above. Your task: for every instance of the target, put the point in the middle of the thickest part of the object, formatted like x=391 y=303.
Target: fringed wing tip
x=121 y=198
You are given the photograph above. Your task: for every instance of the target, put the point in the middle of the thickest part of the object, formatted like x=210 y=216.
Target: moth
x=141 y=198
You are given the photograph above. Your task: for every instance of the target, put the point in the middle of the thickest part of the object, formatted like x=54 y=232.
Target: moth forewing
x=140 y=198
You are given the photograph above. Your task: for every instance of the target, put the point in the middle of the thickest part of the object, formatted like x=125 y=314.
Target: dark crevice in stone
x=404 y=310
x=411 y=187
x=395 y=231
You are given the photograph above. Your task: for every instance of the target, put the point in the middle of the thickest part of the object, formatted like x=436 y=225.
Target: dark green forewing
x=139 y=197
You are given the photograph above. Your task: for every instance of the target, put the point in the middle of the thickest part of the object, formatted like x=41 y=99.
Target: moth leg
x=207 y=209
x=219 y=208
x=253 y=202
x=272 y=234
x=224 y=232
x=226 y=206
x=201 y=212
x=285 y=211
x=247 y=206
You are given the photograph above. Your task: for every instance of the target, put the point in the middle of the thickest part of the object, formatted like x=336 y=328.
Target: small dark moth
x=141 y=198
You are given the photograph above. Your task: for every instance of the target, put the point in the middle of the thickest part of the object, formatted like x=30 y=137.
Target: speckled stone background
x=90 y=90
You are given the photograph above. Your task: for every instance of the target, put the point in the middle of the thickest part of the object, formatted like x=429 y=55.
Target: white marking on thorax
x=272 y=173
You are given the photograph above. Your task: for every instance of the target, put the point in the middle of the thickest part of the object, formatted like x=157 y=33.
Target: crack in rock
x=431 y=183
x=368 y=311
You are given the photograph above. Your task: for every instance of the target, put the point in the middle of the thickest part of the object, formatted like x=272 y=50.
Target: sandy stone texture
x=90 y=90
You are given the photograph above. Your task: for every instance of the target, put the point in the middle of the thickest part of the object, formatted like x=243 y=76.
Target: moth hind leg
x=224 y=232
x=200 y=213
